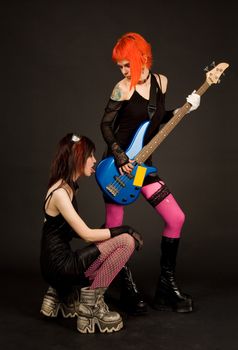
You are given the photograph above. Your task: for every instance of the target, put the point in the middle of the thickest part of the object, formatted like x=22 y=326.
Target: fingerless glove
x=116 y=231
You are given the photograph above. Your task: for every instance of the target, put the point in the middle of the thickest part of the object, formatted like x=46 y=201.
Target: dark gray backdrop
x=57 y=76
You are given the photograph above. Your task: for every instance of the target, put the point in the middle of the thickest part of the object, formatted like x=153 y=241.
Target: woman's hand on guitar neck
x=127 y=168
x=194 y=100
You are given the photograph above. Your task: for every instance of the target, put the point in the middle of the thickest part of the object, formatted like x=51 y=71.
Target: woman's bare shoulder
x=60 y=189
x=120 y=91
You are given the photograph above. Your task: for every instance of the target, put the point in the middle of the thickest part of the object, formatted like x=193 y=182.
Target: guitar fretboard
x=166 y=130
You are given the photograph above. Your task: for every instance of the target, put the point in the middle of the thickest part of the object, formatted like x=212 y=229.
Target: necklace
x=144 y=80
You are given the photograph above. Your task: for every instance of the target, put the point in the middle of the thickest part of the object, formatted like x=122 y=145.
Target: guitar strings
x=124 y=178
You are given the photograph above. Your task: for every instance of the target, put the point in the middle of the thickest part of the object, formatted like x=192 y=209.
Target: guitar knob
x=124 y=200
x=132 y=195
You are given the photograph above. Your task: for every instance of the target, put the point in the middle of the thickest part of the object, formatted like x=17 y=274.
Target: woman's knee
x=177 y=219
x=181 y=218
x=128 y=240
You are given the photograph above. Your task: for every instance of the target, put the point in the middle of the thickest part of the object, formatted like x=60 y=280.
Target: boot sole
x=87 y=325
x=49 y=310
x=134 y=312
x=171 y=308
x=168 y=303
x=49 y=307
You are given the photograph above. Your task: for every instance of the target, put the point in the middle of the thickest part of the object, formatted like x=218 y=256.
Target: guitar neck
x=166 y=130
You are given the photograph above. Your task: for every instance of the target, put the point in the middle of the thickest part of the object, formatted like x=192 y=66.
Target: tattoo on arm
x=116 y=94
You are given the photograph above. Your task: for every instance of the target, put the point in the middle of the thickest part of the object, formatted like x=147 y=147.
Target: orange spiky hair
x=135 y=49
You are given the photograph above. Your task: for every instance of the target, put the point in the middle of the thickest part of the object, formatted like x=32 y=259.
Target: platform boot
x=130 y=299
x=168 y=295
x=93 y=311
x=52 y=304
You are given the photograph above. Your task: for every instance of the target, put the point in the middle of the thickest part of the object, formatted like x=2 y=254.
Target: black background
x=56 y=77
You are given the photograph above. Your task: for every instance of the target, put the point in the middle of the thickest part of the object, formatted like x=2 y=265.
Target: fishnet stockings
x=115 y=252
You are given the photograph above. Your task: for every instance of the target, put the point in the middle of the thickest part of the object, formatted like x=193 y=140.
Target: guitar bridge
x=112 y=189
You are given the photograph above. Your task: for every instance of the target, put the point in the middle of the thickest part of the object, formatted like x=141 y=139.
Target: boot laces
x=101 y=304
x=130 y=282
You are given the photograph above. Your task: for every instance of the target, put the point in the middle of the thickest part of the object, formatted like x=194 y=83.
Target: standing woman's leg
x=167 y=294
x=131 y=300
x=114 y=215
x=114 y=253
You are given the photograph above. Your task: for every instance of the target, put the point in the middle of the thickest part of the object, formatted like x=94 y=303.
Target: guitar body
x=121 y=188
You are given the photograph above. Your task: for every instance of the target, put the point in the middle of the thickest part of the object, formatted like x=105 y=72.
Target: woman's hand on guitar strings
x=127 y=168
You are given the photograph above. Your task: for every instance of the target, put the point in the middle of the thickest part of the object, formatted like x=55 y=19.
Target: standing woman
x=93 y=266
x=126 y=110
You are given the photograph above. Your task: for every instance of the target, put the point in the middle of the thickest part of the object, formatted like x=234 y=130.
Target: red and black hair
x=70 y=158
x=135 y=49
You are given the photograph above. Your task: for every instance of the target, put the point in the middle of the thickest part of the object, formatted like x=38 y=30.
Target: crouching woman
x=91 y=268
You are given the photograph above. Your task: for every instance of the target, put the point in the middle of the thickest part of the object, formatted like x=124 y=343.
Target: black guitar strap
x=153 y=93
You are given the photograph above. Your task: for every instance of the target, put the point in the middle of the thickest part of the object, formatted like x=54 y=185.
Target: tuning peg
x=213 y=64
x=218 y=81
x=206 y=69
x=223 y=74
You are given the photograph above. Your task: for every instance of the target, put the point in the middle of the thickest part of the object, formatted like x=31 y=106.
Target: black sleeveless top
x=135 y=111
x=122 y=125
x=62 y=267
x=58 y=221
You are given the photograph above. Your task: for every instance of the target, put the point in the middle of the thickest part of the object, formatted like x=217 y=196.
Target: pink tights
x=168 y=209
x=115 y=252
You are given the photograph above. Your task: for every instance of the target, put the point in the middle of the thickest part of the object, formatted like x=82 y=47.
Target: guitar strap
x=152 y=99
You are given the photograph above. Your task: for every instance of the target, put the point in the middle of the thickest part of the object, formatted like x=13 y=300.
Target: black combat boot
x=131 y=300
x=168 y=296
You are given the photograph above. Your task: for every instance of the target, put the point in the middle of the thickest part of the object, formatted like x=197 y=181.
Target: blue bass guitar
x=125 y=189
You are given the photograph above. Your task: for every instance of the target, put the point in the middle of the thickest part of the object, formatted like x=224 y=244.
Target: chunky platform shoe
x=94 y=312
x=52 y=305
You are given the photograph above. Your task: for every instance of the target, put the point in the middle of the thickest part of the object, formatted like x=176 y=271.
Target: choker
x=144 y=80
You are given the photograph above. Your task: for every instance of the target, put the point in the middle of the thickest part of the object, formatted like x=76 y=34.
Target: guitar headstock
x=213 y=75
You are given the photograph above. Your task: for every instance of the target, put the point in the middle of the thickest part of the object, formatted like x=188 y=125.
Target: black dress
x=62 y=267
